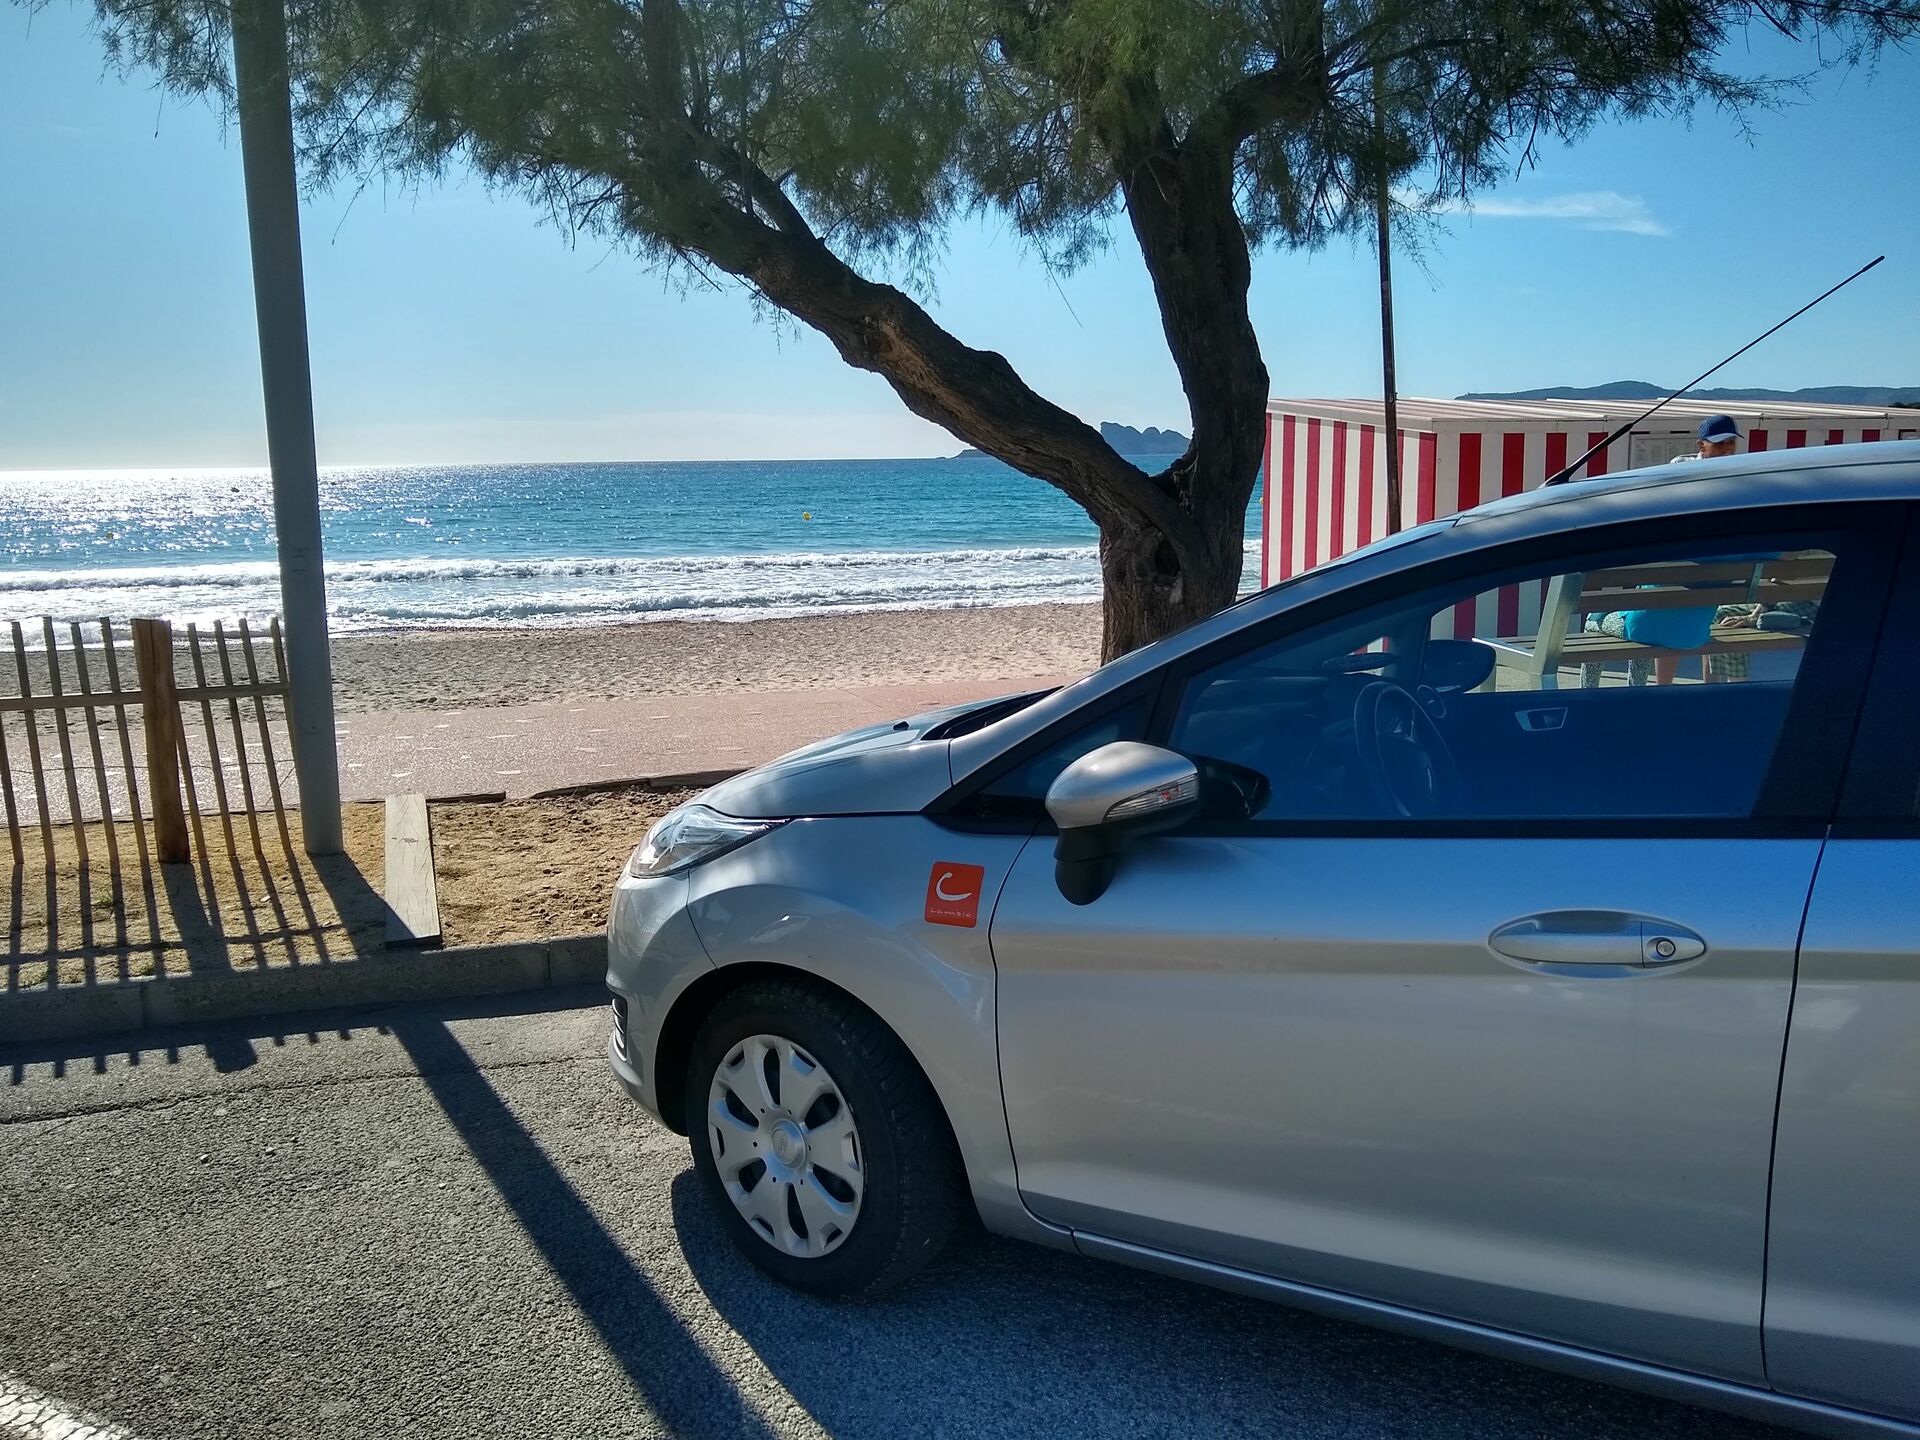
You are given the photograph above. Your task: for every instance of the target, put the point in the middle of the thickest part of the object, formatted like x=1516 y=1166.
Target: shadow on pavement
x=685 y=1390
x=235 y=1044
x=1005 y=1338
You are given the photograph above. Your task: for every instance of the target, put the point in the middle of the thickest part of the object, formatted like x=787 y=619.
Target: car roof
x=1886 y=469
x=1881 y=470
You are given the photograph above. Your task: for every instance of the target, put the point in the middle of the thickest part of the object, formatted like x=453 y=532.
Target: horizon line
x=967 y=453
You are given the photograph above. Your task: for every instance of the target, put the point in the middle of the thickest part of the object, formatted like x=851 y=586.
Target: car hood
x=877 y=769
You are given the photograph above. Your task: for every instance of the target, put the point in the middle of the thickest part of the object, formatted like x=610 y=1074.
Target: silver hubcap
x=785 y=1145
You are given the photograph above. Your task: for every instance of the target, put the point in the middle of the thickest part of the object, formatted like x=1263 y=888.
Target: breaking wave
x=409 y=593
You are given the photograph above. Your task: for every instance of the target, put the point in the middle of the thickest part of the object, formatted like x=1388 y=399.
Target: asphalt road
x=447 y=1221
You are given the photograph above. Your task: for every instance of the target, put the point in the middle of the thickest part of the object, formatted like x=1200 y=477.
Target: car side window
x=1635 y=685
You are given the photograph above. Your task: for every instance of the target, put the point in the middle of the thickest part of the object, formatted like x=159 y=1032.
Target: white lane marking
x=26 y=1414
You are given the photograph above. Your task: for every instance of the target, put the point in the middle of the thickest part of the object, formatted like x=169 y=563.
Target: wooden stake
x=133 y=782
x=99 y=779
x=233 y=714
x=33 y=746
x=66 y=744
x=412 y=896
x=266 y=734
x=126 y=744
x=213 y=742
x=160 y=714
x=6 y=790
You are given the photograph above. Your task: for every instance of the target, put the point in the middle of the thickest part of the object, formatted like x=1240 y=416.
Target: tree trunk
x=1180 y=204
x=1147 y=592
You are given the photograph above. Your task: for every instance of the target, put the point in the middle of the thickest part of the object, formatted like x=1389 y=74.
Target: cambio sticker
x=953 y=893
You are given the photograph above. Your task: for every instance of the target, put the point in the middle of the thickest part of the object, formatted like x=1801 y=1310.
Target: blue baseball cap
x=1716 y=428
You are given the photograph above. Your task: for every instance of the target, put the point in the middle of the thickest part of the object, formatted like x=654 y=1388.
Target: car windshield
x=1384 y=543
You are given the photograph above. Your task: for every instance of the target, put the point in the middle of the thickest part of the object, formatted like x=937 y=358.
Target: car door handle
x=1596 y=937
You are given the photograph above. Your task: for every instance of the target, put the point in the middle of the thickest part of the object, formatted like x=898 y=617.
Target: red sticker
x=953 y=893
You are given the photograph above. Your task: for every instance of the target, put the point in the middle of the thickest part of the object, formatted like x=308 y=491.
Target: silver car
x=1508 y=933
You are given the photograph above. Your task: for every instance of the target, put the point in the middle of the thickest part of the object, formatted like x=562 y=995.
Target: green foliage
x=787 y=141
x=882 y=119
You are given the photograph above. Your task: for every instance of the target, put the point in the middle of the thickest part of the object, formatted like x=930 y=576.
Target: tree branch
x=976 y=395
x=1290 y=92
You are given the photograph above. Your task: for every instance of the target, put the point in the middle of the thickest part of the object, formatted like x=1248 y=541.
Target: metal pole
x=1383 y=234
x=280 y=306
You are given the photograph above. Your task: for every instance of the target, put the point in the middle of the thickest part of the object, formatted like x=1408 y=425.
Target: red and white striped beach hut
x=1327 y=468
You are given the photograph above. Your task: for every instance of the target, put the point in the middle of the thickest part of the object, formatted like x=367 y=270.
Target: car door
x=1508 y=1054
x=1843 y=1274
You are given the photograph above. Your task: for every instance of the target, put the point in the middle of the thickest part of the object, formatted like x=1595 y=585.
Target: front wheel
x=819 y=1142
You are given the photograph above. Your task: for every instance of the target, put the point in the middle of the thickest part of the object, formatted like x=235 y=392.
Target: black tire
x=914 y=1187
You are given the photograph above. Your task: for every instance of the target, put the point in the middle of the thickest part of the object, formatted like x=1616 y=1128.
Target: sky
x=456 y=325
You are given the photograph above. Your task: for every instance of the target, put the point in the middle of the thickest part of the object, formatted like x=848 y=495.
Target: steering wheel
x=1408 y=768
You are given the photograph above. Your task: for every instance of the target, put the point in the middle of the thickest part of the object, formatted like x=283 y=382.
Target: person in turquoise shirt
x=1686 y=628
x=1683 y=628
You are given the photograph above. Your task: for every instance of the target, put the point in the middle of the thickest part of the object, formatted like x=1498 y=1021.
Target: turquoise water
x=495 y=545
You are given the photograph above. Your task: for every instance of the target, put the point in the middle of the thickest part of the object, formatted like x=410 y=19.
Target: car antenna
x=1564 y=475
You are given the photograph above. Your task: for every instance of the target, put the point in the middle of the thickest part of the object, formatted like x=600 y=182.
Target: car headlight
x=690 y=836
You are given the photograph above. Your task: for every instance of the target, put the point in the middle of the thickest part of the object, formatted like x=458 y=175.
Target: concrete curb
x=83 y=1011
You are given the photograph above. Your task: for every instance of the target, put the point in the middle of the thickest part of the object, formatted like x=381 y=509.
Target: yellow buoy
x=806 y=514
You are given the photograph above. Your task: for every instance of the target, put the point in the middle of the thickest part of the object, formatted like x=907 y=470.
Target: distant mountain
x=1125 y=439
x=1129 y=441
x=1647 y=390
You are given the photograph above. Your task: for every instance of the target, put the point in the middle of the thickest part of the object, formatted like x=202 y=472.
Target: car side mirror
x=1109 y=797
x=1453 y=667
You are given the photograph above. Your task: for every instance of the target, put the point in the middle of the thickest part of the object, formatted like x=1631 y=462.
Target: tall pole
x=280 y=308
x=1383 y=236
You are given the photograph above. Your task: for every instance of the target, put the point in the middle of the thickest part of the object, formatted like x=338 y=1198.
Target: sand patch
x=444 y=669
x=523 y=869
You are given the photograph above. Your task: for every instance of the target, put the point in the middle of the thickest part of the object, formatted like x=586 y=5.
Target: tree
x=811 y=149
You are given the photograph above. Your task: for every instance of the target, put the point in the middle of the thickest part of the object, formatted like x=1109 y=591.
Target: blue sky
x=455 y=325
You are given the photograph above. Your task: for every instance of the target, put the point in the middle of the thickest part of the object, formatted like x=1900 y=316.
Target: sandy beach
x=438 y=669
x=461 y=669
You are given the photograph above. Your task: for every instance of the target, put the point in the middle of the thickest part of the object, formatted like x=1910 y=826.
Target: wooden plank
x=117 y=697
x=266 y=735
x=1556 y=613
x=1590 y=647
x=99 y=777
x=66 y=747
x=279 y=660
x=35 y=704
x=213 y=738
x=412 y=896
x=1587 y=649
x=20 y=705
x=6 y=792
x=35 y=768
x=160 y=717
x=1595 y=600
x=193 y=812
x=233 y=714
x=1790 y=569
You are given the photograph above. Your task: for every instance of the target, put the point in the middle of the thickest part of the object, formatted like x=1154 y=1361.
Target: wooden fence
x=229 y=687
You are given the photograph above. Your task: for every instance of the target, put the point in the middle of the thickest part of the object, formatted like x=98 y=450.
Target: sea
x=493 y=546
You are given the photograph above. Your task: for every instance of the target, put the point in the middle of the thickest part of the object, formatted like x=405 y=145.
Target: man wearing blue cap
x=1718 y=436
x=1672 y=631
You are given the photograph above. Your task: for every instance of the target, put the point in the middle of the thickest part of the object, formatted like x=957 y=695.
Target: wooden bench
x=1663 y=586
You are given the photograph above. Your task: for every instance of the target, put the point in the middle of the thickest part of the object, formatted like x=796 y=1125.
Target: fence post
x=160 y=712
